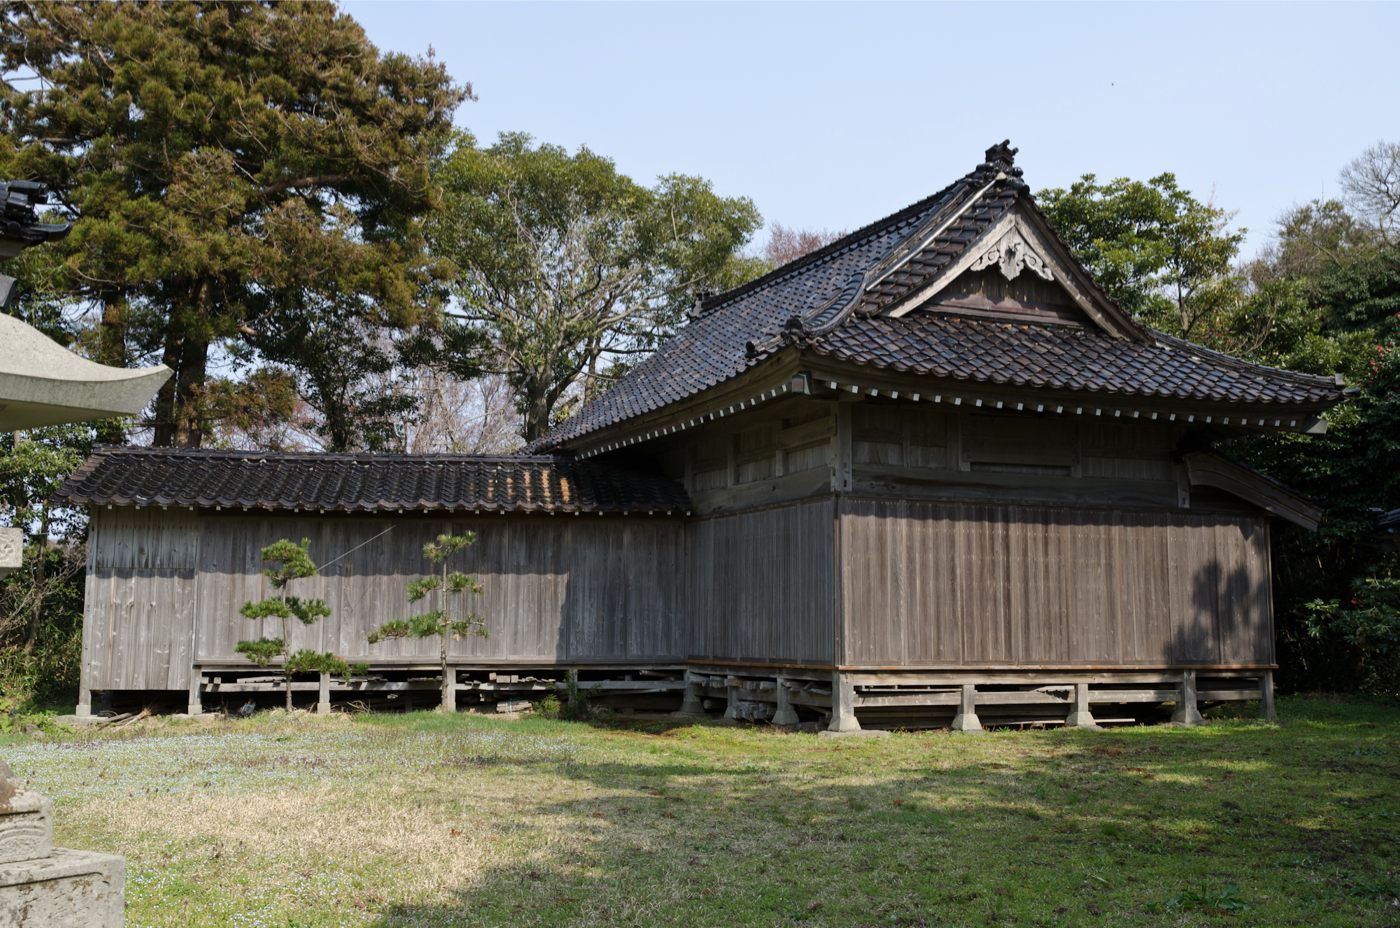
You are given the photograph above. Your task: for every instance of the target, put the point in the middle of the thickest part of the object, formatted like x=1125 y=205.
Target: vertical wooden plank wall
x=942 y=584
x=760 y=585
x=555 y=588
x=138 y=614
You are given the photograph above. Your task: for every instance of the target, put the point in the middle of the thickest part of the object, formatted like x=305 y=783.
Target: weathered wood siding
x=166 y=586
x=761 y=585
x=779 y=452
x=138 y=620
x=930 y=451
x=945 y=584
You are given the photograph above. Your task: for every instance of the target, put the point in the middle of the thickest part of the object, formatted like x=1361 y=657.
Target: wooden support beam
x=966 y=719
x=323 y=694
x=1186 y=711
x=843 y=704
x=84 y=710
x=1080 y=716
x=196 y=707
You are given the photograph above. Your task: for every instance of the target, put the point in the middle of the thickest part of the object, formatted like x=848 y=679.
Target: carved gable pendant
x=1011 y=253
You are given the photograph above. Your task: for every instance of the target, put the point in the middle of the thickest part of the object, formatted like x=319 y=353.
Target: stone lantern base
x=42 y=886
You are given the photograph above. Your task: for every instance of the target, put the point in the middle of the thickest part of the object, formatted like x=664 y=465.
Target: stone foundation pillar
x=693 y=702
x=1080 y=716
x=784 y=715
x=966 y=719
x=1266 y=697
x=1186 y=712
x=42 y=885
x=843 y=704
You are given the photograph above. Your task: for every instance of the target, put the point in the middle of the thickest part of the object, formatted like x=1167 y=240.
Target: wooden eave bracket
x=1208 y=469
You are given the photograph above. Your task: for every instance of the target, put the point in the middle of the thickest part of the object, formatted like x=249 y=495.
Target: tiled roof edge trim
x=391 y=483
x=1180 y=344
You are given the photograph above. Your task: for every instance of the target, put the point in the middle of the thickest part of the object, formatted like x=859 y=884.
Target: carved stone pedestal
x=47 y=887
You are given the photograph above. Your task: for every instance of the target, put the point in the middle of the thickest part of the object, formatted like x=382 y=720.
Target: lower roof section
x=376 y=483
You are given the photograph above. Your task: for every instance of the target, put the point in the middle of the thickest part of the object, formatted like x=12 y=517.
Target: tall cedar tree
x=569 y=268
x=442 y=622
x=285 y=561
x=221 y=162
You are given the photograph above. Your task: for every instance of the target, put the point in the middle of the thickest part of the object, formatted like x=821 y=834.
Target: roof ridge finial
x=1001 y=157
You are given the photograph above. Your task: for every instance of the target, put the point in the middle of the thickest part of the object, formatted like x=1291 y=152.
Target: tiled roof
x=364 y=483
x=714 y=347
x=1065 y=357
x=832 y=302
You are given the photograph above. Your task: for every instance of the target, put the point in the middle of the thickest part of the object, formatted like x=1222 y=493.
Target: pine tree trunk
x=449 y=691
x=178 y=414
x=111 y=350
x=286 y=654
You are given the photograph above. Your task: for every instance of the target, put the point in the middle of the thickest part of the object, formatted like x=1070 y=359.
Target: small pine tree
x=285 y=561
x=439 y=621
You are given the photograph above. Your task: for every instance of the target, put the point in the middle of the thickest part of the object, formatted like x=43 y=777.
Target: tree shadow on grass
x=1127 y=827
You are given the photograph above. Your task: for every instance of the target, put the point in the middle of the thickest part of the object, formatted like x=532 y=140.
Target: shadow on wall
x=1228 y=623
x=878 y=836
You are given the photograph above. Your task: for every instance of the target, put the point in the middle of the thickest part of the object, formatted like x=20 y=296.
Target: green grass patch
x=429 y=820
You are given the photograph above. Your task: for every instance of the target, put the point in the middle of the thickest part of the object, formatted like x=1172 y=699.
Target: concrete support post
x=1080 y=716
x=323 y=695
x=843 y=703
x=731 y=706
x=966 y=719
x=1266 y=697
x=693 y=701
x=196 y=707
x=1186 y=712
x=785 y=715
x=84 y=710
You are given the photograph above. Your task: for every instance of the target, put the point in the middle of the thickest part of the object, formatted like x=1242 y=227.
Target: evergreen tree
x=442 y=621
x=284 y=562
x=220 y=161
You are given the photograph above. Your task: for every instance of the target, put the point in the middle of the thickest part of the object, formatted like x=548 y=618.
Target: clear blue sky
x=831 y=115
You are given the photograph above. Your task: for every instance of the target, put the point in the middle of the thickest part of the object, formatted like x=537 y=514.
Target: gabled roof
x=365 y=483
x=861 y=300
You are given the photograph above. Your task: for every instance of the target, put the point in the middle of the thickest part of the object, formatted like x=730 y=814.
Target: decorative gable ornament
x=1011 y=253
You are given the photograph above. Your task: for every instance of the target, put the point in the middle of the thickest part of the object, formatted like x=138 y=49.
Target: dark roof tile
x=1065 y=357
x=364 y=483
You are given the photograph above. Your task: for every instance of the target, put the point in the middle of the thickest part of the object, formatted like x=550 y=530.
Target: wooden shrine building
x=927 y=473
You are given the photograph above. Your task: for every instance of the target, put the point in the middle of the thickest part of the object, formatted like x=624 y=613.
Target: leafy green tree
x=41 y=604
x=443 y=621
x=284 y=561
x=1157 y=250
x=219 y=160
x=569 y=267
x=1339 y=309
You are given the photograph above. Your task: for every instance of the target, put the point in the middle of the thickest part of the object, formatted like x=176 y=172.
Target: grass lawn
x=422 y=820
